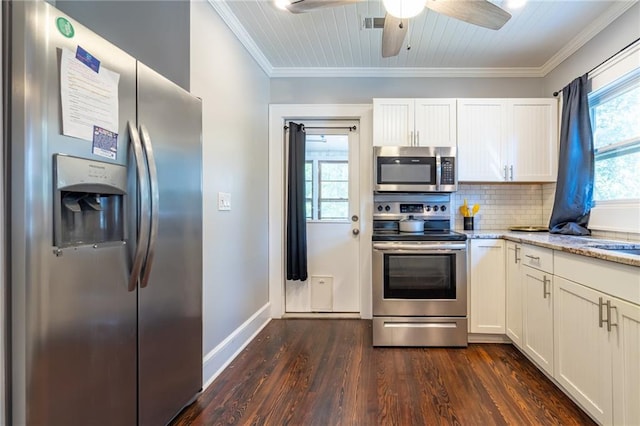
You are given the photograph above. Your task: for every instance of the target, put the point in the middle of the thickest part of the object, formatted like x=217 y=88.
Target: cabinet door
x=626 y=362
x=482 y=128
x=582 y=351
x=393 y=122
x=435 y=122
x=532 y=142
x=487 y=286
x=514 y=292
x=538 y=317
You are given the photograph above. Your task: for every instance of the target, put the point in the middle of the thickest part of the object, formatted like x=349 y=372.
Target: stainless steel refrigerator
x=103 y=160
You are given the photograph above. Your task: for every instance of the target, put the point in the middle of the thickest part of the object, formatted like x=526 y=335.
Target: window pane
x=617 y=178
x=308 y=171
x=308 y=190
x=616 y=119
x=334 y=209
x=339 y=190
x=308 y=209
x=334 y=171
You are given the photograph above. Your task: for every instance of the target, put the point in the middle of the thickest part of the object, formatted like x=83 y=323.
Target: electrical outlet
x=224 y=201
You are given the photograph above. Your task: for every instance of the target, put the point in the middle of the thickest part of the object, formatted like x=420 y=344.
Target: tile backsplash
x=502 y=205
x=505 y=205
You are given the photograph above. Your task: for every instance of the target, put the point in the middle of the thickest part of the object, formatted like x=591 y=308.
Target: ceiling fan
x=396 y=21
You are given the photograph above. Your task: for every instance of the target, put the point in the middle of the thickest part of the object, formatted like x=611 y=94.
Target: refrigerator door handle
x=153 y=180
x=142 y=240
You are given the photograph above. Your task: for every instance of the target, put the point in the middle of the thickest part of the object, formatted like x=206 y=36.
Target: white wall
x=362 y=90
x=235 y=97
x=608 y=42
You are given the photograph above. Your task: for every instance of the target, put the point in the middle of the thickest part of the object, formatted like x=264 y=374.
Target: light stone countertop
x=572 y=244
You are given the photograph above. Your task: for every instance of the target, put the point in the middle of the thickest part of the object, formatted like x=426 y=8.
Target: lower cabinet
x=597 y=357
x=537 y=311
x=487 y=313
x=583 y=356
x=513 y=270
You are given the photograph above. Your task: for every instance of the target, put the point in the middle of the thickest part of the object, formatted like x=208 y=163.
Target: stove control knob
x=443 y=208
x=387 y=208
x=435 y=208
x=427 y=208
x=380 y=208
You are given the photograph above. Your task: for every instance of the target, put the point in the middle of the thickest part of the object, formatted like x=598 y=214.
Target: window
x=333 y=198
x=614 y=110
x=308 y=188
x=327 y=177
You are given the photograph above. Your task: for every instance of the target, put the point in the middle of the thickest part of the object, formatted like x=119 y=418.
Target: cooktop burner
x=428 y=235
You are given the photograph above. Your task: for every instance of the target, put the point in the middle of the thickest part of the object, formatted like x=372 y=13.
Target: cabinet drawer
x=538 y=257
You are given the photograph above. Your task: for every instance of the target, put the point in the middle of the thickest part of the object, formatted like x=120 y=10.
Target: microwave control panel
x=448 y=171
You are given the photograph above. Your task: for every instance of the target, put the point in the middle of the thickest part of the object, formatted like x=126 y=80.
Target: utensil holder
x=468 y=223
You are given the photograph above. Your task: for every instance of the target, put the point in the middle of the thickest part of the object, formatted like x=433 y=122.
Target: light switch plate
x=224 y=201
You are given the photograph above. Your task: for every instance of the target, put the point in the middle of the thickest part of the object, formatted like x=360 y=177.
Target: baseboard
x=321 y=315
x=487 y=338
x=221 y=356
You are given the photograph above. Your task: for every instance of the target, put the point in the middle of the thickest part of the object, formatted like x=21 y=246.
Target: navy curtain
x=574 y=190
x=296 y=216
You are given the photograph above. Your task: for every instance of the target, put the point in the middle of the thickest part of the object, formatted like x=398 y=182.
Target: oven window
x=419 y=276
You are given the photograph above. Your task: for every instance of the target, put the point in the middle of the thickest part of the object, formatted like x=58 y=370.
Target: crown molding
x=236 y=27
x=614 y=12
x=405 y=72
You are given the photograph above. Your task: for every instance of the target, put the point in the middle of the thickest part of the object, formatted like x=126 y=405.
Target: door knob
x=354 y=218
x=356 y=231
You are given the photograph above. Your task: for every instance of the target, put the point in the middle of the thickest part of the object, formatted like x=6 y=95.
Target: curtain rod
x=351 y=129
x=606 y=60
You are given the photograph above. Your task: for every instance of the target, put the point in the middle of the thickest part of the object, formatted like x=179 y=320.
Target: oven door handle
x=409 y=247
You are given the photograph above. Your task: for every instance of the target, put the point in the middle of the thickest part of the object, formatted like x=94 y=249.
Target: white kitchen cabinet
x=538 y=316
x=513 y=271
x=597 y=336
x=583 y=356
x=414 y=122
x=507 y=140
x=487 y=286
x=626 y=364
x=482 y=131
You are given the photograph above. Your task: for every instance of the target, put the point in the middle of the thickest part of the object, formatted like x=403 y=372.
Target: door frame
x=278 y=115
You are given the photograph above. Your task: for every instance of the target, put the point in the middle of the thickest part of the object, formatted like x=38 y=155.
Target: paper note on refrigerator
x=89 y=98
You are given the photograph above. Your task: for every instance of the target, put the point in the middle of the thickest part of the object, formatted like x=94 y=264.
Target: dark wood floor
x=325 y=372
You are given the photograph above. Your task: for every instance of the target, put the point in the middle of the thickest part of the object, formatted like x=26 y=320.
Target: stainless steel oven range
x=419 y=277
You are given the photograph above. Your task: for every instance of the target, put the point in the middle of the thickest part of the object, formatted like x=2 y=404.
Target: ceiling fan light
x=403 y=8
x=282 y=4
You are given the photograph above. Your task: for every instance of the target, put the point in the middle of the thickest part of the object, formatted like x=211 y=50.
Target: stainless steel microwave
x=414 y=169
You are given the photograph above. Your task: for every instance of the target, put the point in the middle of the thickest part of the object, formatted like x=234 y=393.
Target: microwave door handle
x=142 y=240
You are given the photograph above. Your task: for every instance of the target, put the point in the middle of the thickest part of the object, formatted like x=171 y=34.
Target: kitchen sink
x=620 y=248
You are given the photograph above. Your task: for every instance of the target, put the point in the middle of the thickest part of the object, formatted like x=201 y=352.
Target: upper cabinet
x=507 y=140
x=414 y=122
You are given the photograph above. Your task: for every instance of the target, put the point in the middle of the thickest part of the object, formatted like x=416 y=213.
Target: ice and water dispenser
x=88 y=201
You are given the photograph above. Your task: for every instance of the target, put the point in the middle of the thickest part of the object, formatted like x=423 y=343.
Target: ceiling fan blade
x=393 y=34
x=301 y=6
x=477 y=12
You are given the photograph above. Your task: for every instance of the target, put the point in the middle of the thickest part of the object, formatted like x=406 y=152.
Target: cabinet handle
x=417 y=137
x=517 y=259
x=411 y=138
x=536 y=258
x=609 y=323
x=545 y=293
x=511 y=172
x=505 y=172
x=491 y=247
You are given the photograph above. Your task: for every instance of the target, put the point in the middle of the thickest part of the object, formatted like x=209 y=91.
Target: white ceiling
x=331 y=41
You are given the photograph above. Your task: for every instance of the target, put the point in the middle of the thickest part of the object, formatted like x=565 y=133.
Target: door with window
x=333 y=221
